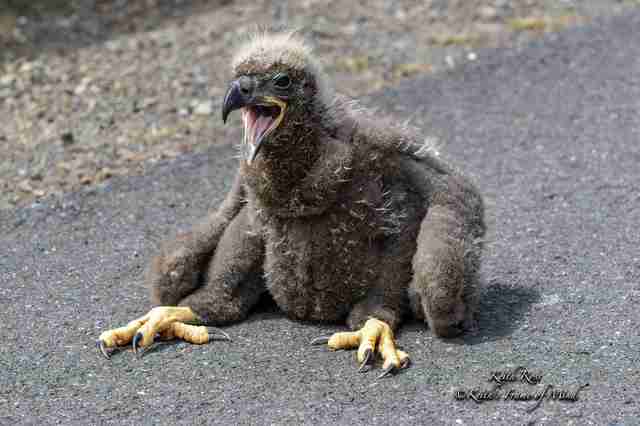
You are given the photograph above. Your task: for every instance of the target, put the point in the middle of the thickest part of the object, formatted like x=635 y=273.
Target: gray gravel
x=102 y=88
x=550 y=132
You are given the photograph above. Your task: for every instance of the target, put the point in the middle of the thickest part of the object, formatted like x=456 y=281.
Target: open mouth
x=259 y=121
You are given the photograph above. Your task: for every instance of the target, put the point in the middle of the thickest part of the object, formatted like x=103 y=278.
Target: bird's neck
x=298 y=171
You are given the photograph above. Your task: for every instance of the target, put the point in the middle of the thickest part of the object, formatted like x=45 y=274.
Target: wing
x=177 y=270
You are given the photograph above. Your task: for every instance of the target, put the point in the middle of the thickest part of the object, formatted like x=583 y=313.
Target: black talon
x=136 y=340
x=365 y=362
x=102 y=348
x=216 y=332
x=321 y=340
x=387 y=371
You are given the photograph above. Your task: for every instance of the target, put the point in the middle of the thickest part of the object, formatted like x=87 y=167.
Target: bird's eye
x=282 y=81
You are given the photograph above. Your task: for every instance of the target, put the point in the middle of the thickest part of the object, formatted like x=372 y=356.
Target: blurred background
x=92 y=89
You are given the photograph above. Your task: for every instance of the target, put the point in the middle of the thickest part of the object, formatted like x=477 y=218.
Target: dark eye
x=282 y=81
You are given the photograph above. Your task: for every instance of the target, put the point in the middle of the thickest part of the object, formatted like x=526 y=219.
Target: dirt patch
x=94 y=89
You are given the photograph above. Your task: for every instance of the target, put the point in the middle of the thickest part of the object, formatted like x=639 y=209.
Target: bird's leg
x=374 y=337
x=168 y=322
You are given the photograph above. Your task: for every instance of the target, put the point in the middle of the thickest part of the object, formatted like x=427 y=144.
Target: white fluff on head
x=267 y=47
x=264 y=48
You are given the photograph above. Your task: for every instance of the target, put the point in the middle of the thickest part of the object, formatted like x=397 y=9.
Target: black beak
x=237 y=96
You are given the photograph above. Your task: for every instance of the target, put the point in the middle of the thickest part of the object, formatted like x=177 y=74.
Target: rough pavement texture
x=550 y=132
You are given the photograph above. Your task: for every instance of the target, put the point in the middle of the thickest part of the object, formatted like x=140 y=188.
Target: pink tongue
x=260 y=126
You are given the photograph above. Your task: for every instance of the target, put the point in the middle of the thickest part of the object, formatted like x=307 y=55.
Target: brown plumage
x=337 y=214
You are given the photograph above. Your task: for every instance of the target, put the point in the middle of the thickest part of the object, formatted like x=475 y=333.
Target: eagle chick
x=337 y=214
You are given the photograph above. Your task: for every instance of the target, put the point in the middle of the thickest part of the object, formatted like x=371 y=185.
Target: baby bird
x=339 y=214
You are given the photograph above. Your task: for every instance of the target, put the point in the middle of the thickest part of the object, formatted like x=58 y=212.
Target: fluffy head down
x=274 y=47
x=267 y=50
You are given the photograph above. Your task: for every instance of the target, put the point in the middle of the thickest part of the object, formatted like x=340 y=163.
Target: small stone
x=203 y=108
x=67 y=138
x=204 y=50
x=104 y=174
x=82 y=87
x=7 y=80
x=487 y=12
x=147 y=102
x=451 y=63
x=25 y=186
x=26 y=67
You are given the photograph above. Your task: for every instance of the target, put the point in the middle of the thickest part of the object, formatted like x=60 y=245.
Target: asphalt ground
x=550 y=132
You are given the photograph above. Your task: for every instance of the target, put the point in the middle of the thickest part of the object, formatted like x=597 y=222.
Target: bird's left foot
x=374 y=336
x=164 y=322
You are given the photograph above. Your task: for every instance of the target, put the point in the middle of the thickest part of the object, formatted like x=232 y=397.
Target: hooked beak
x=233 y=100
x=260 y=115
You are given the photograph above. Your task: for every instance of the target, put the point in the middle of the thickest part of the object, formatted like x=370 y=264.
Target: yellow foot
x=165 y=322
x=375 y=336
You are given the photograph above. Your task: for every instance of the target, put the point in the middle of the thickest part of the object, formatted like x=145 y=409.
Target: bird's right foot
x=167 y=322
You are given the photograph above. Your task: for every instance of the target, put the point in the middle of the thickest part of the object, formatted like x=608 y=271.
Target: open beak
x=260 y=116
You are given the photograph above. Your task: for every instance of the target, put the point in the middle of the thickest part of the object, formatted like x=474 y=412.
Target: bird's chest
x=317 y=267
